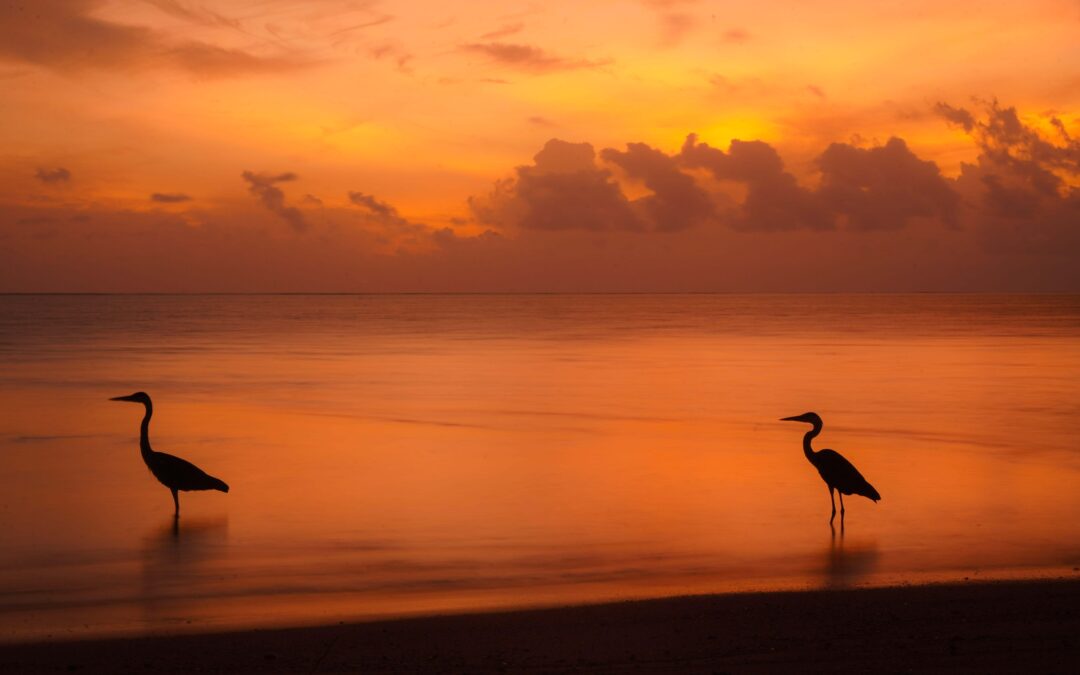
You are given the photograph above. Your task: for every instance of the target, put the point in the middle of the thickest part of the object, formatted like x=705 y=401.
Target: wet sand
x=1031 y=626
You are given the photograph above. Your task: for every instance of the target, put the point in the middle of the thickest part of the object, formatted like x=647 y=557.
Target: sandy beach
x=971 y=627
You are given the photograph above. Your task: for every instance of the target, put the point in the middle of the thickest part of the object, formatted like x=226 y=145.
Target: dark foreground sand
x=1018 y=627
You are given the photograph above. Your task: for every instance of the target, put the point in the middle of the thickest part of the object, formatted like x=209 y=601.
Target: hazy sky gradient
x=332 y=145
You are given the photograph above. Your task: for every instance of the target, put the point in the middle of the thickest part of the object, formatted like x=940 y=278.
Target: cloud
x=957 y=116
x=884 y=187
x=370 y=23
x=861 y=189
x=394 y=230
x=1022 y=191
x=262 y=186
x=634 y=218
x=563 y=189
x=169 y=197
x=1016 y=148
x=66 y=37
x=159 y=250
x=774 y=200
x=53 y=176
x=503 y=31
x=379 y=209
x=193 y=14
x=676 y=202
x=528 y=58
x=1007 y=201
x=631 y=219
x=213 y=61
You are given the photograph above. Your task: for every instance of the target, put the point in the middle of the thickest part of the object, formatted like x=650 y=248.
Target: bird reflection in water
x=177 y=557
x=848 y=561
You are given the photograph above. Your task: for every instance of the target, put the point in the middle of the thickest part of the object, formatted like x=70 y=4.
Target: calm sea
x=393 y=455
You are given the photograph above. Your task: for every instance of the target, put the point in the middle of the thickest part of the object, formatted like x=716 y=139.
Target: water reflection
x=178 y=557
x=849 y=561
x=414 y=454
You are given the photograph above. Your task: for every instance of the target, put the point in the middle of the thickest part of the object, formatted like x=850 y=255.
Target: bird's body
x=172 y=472
x=838 y=473
x=180 y=474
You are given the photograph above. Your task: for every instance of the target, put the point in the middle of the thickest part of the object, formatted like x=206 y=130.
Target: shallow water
x=391 y=455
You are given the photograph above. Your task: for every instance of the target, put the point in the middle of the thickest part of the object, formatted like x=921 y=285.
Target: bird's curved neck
x=144 y=431
x=807 y=450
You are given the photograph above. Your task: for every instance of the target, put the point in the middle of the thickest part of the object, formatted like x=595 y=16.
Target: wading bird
x=172 y=472
x=838 y=473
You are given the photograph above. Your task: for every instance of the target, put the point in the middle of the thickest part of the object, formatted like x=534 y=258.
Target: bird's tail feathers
x=218 y=484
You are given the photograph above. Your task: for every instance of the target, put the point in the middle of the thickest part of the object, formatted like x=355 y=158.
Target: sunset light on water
x=393 y=455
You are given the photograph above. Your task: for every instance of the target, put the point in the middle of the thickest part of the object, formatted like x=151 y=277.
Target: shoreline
x=975 y=626
x=346 y=609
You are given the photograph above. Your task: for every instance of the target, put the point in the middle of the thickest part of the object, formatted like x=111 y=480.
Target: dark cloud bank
x=878 y=188
x=1021 y=192
x=702 y=218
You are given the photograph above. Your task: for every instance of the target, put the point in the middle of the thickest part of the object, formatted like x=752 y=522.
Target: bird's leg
x=176 y=501
x=832 y=498
x=841 y=509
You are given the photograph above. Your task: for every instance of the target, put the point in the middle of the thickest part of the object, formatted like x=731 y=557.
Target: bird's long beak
x=123 y=398
x=796 y=418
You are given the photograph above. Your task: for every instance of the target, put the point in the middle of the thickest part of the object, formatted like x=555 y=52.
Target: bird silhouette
x=172 y=472
x=838 y=473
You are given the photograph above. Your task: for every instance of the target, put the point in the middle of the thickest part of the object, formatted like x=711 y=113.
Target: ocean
x=393 y=455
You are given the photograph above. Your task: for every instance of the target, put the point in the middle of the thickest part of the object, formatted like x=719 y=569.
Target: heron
x=172 y=472
x=838 y=473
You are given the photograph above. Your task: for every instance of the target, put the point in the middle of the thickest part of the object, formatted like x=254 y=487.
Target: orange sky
x=332 y=145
